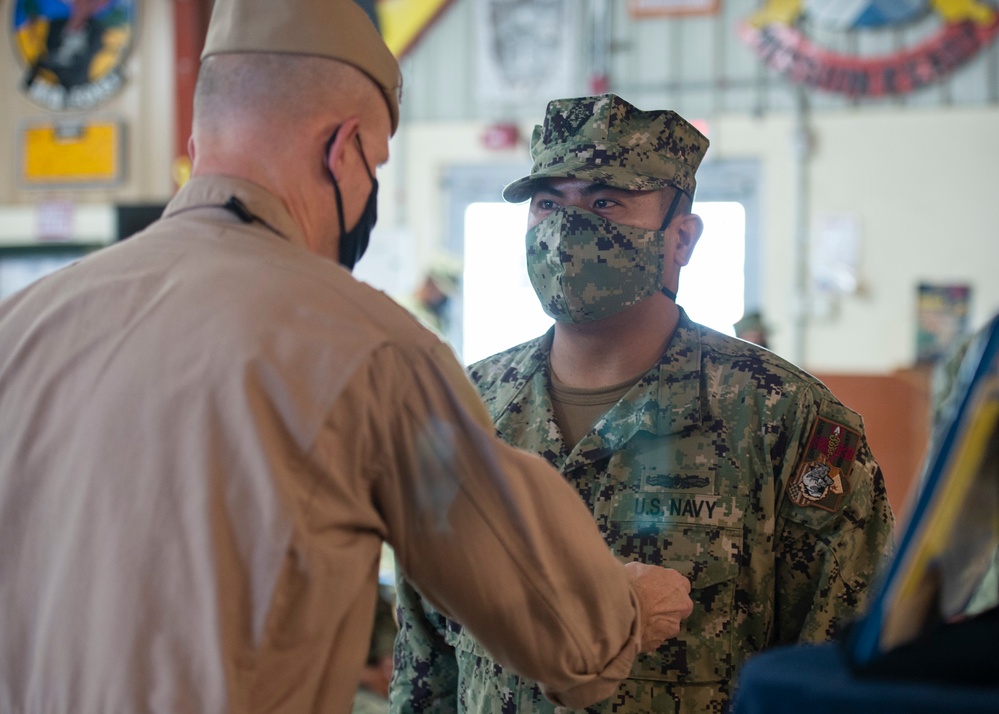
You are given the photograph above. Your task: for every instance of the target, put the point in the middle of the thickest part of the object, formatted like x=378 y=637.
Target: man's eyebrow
x=602 y=188
x=547 y=188
x=589 y=190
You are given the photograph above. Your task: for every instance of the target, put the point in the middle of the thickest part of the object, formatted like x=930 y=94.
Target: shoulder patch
x=822 y=476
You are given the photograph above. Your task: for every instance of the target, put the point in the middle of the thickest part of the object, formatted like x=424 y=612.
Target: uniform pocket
x=456 y=636
x=709 y=557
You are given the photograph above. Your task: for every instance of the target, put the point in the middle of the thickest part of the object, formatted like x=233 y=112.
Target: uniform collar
x=523 y=390
x=215 y=191
x=666 y=400
x=679 y=381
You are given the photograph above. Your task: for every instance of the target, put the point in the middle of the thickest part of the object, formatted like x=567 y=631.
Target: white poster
x=835 y=260
x=526 y=50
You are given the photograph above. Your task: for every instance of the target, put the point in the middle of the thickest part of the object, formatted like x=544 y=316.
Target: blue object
x=815 y=679
x=846 y=15
x=864 y=639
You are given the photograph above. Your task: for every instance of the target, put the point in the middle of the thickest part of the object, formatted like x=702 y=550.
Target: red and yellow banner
x=968 y=27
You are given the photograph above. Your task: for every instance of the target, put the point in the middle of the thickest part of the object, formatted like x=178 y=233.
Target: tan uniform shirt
x=206 y=434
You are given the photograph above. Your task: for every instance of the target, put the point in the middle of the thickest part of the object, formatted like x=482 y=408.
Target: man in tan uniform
x=209 y=428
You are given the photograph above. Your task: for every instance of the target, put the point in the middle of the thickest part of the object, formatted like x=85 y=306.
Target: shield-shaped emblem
x=72 y=50
x=527 y=37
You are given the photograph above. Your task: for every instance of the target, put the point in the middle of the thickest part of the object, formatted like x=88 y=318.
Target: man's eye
x=603 y=203
x=546 y=204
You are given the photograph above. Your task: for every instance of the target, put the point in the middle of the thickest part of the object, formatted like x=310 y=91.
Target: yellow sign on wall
x=402 y=22
x=79 y=153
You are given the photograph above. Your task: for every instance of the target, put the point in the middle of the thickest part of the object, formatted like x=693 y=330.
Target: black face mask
x=354 y=242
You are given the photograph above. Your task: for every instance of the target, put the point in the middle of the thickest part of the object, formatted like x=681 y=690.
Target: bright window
x=501 y=309
x=713 y=284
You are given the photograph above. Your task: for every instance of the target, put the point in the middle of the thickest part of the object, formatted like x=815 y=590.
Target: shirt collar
x=215 y=191
x=666 y=400
x=679 y=380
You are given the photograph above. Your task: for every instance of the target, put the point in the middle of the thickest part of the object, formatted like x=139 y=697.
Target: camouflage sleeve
x=834 y=528
x=425 y=670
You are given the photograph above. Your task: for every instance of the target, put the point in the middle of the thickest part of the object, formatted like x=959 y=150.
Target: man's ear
x=337 y=153
x=190 y=147
x=688 y=231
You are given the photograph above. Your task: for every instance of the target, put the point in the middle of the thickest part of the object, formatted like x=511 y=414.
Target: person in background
x=373 y=684
x=943 y=377
x=691 y=448
x=751 y=328
x=210 y=428
x=432 y=297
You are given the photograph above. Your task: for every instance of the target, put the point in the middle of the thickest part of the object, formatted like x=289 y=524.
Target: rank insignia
x=822 y=477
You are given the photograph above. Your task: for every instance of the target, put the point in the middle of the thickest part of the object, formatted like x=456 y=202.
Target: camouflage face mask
x=585 y=268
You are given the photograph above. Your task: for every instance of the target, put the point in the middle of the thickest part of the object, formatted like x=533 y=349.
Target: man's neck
x=610 y=351
x=280 y=174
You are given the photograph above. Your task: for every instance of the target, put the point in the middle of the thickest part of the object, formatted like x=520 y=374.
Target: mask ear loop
x=666 y=221
x=364 y=158
x=672 y=209
x=336 y=187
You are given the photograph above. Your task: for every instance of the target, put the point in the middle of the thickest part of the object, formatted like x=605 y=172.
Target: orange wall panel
x=896 y=412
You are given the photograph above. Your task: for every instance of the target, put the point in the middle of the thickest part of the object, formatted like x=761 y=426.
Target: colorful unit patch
x=822 y=477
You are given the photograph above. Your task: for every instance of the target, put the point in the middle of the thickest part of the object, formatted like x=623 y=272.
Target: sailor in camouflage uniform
x=693 y=449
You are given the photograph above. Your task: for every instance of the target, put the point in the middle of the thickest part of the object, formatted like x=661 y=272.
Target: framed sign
x=659 y=8
x=77 y=153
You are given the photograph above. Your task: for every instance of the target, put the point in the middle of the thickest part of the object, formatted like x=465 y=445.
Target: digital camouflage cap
x=606 y=140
